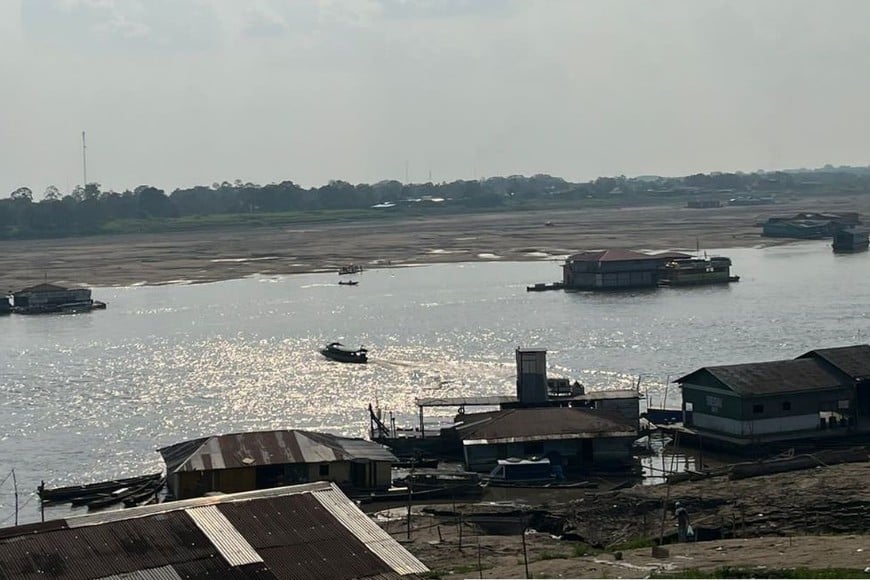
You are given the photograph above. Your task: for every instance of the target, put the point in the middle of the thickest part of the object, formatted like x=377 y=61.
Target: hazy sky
x=182 y=92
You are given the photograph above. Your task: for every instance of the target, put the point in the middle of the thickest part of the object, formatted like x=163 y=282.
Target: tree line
x=89 y=209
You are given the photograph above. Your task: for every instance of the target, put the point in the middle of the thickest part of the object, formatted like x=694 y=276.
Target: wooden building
x=824 y=392
x=580 y=440
x=610 y=270
x=260 y=460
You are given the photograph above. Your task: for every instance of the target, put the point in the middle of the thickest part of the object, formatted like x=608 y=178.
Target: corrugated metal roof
x=161 y=573
x=540 y=424
x=296 y=536
x=275 y=534
x=369 y=533
x=611 y=256
x=771 y=378
x=230 y=543
x=269 y=448
x=854 y=361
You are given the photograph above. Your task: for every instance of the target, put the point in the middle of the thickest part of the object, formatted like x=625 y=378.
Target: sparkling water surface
x=92 y=396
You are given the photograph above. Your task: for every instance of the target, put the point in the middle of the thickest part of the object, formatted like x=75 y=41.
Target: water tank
x=531 y=375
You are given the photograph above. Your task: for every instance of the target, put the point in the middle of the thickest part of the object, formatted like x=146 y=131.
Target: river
x=92 y=396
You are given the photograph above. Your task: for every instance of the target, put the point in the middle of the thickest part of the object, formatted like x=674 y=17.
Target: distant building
x=703 y=203
x=610 y=270
x=306 y=532
x=824 y=392
x=261 y=460
x=578 y=439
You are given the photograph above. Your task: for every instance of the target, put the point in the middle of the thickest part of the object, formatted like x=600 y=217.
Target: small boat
x=127 y=494
x=338 y=352
x=68 y=493
x=348 y=282
x=515 y=472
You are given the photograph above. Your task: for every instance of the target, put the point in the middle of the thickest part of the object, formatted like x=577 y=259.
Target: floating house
x=823 y=393
x=261 y=460
x=808 y=225
x=847 y=240
x=305 y=532
x=625 y=269
x=696 y=271
x=606 y=420
x=579 y=440
x=48 y=298
x=610 y=270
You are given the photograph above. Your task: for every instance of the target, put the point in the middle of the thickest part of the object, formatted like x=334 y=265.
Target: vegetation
x=90 y=210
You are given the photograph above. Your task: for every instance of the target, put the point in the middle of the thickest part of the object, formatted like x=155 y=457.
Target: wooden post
x=41 y=503
x=664 y=513
x=422 y=428
x=15 y=487
x=480 y=566
x=525 y=554
x=460 y=532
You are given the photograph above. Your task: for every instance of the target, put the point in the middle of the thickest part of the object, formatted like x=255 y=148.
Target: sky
x=176 y=93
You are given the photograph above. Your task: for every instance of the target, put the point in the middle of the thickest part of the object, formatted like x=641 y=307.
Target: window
x=757 y=409
x=324 y=469
x=786 y=405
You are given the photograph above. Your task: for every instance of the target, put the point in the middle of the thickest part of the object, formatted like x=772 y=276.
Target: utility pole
x=84 y=162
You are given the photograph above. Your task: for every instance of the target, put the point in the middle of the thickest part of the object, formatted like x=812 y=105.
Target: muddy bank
x=207 y=256
x=769 y=520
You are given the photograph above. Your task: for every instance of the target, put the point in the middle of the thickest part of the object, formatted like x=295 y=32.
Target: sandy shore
x=209 y=256
x=815 y=518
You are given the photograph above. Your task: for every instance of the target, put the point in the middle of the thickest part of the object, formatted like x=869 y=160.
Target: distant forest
x=89 y=210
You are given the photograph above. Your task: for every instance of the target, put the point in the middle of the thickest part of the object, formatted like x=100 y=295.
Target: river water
x=92 y=396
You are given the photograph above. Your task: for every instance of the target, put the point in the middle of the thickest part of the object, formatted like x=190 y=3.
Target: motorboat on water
x=338 y=352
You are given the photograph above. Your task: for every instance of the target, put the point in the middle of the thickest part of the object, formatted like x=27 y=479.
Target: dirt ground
x=813 y=518
x=207 y=256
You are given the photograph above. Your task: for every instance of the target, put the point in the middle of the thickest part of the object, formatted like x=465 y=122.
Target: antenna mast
x=84 y=162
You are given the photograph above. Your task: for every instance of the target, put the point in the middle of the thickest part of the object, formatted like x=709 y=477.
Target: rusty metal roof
x=269 y=448
x=771 y=378
x=854 y=361
x=611 y=256
x=541 y=424
x=309 y=531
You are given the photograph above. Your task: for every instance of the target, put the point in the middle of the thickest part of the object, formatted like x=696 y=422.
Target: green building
x=823 y=393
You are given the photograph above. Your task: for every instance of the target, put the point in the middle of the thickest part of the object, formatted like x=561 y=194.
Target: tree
x=52 y=193
x=22 y=194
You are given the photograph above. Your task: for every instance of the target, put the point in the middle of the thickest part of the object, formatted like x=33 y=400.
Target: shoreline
x=219 y=255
